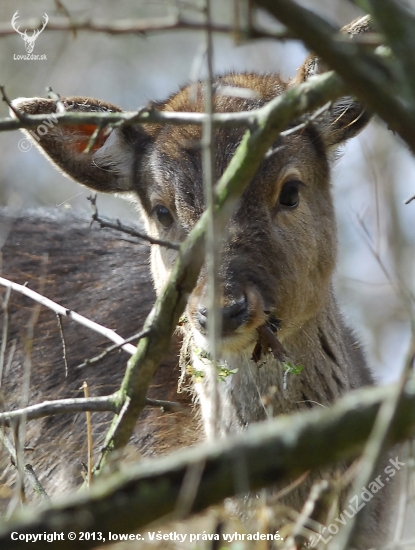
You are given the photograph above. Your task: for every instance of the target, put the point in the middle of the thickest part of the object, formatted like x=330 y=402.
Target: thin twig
x=167 y=406
x=28 y=469
x=403 y=498
x=60 y=310
x=375 y=445
x=89 y=435
x=114 y=119
x=313 y=514
x=20 y=116
x=272 y=499
x=20 y=428
x=11 y=356
x=118 y=226
x=94 y=137
x=65 y=359
x=5 y=307
x=301 y=126
x=60 y=107
x=189 y=489
x=213 y=234
x=110 y=349
x=34 y=481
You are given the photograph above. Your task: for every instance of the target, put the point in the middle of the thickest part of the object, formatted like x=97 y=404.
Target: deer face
x=279 y=252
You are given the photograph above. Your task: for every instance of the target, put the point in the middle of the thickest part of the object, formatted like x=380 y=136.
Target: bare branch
x=376 y=445
x=141 y=116
x=398 y=24
x=97 y=358
x=5 y=307
x=89 y=435
x=61 y=406
x=20 y=116
x=271 y=452
x=142 y=27
x=107 y=403
x=60 y=310
x=65 y=358
x=60 y=107
x=118 y=226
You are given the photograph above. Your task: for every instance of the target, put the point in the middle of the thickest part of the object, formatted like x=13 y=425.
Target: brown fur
x=79 y=261
x=276 y=264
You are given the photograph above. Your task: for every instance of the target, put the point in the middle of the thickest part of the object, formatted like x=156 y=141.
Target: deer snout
x=233 y=316
x=241 y=313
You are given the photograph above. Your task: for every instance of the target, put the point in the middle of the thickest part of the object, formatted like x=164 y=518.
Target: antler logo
x=29 y=41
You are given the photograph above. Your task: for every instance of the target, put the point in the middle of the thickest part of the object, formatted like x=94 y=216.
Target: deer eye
x=164 y=216
x=290 y=194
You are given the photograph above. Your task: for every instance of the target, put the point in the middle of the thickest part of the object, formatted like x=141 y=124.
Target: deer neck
x=323 y=349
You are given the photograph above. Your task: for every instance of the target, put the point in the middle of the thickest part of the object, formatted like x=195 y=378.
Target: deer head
x=29 y=41
x=281 y=248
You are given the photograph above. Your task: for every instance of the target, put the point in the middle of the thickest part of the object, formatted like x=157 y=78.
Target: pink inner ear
x=82 y=134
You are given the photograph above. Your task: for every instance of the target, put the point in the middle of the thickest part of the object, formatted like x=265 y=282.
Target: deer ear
x=346 y=117
x=108 y=166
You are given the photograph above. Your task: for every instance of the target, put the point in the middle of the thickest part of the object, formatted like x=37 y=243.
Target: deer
x=29 y=41
x=276 y=267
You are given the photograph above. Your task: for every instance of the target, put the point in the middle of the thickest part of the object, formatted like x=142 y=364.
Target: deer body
x=72 y=261
x=277 y=259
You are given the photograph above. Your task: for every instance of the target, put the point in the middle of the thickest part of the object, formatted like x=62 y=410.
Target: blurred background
x=372 y=177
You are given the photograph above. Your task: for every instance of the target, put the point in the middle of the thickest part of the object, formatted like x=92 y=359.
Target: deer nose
x=233 y=315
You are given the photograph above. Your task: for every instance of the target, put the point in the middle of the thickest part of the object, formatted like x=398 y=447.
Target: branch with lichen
x=267 y=453
x=376 y=82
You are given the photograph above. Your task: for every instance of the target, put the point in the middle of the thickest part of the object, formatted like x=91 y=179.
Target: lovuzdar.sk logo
x=29 y=41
